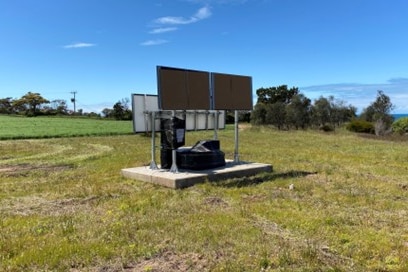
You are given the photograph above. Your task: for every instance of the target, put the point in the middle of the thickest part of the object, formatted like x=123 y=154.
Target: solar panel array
x=184 y=89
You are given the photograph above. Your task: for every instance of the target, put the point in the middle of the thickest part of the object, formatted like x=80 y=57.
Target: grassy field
x=65 y=207
x=17 y=127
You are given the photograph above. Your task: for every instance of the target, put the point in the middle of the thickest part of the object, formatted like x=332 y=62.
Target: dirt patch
x=169 y=261
x=244 y=126
x=215 y=201
x=163 y=262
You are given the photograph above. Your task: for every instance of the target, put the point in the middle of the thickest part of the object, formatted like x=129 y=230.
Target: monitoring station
x=190 y=100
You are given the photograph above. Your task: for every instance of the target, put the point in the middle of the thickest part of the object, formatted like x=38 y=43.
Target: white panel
x=195 y=120
x=140 y=105
x=221 y=120
x=191 y=120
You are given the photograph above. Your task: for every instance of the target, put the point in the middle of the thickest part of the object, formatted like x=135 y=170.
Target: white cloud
x=162 y=30
x=201 y=14
x=79 y=45
x=154 y=42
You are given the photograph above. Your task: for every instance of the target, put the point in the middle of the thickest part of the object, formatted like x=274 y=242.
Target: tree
x=276 y=115
x=57 y=106
x=121 y=110
x=31 y=102
x=321 y=111
x=6 y=105
x=332 y=112
x=60 y=106
x=379 y=112
x=118 y=111
x=298 y=112
x=107 y=113
x=271 y=105
x=276 y=94
x=258 y=115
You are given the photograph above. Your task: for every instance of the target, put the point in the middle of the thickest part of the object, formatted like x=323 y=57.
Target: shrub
x=360 y=126
x=327 y=128
x=400 y=126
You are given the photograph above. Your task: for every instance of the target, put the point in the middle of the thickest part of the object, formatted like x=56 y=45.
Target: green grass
x=64 y=206
x=17 y=127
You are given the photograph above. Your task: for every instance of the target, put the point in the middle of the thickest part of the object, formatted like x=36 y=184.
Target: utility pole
x=73 y=100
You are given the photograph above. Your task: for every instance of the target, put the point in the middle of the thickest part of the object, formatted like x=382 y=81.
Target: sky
x=106 y=50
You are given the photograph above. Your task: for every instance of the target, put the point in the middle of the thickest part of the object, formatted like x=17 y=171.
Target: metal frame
x=163 y=114
x=143 y=104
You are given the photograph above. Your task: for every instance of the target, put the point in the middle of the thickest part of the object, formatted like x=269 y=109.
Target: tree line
x=34 y=104
x=281 y=107
x=287 y=108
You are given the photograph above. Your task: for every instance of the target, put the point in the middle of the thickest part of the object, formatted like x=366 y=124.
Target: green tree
x=6 y=105
x=298 y=112
x=121 y=110
x=57 y=106
x=379 y=112
x=31 y=102
x=321 y=112
x=340 y=112
x=270 y=108
x=258 y=115
x=331 y=112
x=107 y=113
x=276 y=115
x=272 y=95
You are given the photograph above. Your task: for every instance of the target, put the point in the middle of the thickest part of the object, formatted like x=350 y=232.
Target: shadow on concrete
x=261 y=178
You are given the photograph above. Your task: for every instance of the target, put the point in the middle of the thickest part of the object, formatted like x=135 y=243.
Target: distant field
x=13 y=127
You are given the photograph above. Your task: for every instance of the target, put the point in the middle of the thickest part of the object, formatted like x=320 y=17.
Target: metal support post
x=236 y=154
x=174 y=168
x=153 y=165
x=195 y=120
x=216 y=117
x=206 y=119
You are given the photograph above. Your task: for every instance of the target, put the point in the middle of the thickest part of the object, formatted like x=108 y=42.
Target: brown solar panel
x=181 y=89
x=198 y=90
x=232 y=92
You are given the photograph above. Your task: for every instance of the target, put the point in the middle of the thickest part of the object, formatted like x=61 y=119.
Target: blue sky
x=108 y=49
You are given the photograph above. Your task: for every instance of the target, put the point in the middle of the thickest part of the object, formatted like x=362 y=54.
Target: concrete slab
x=185 y=178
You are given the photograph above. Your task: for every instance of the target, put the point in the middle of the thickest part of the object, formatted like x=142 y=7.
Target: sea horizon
x=399 y=115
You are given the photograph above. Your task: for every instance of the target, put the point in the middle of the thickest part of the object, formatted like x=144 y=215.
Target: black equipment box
x=172 y=136
x=173 y=133
x=205 y=154
x=188 y=159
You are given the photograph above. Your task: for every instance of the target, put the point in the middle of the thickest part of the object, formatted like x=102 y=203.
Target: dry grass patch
x=35 y=205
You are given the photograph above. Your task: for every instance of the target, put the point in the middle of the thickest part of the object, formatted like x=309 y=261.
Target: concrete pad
x=185 y=178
